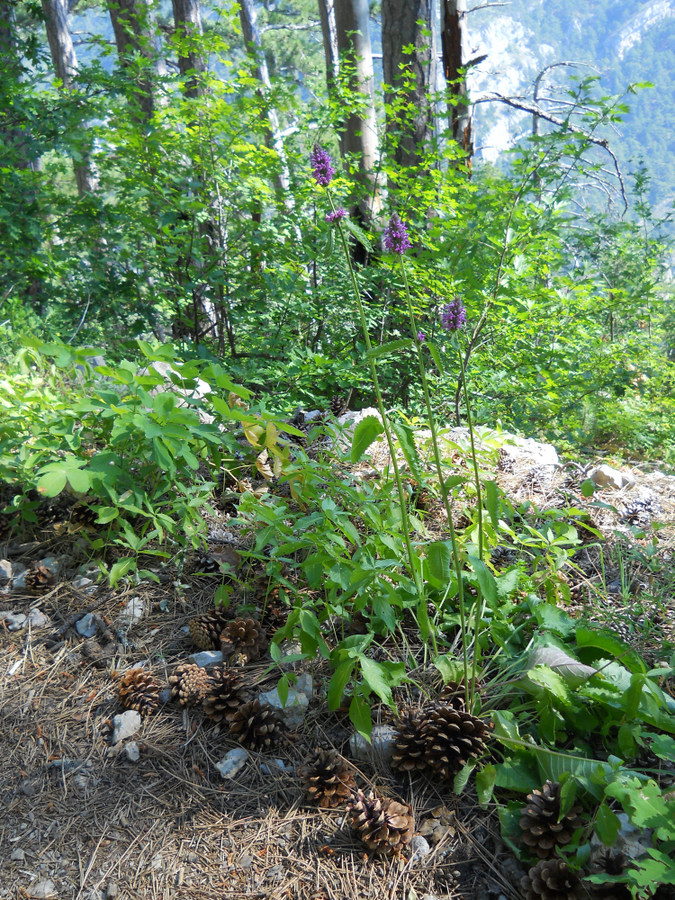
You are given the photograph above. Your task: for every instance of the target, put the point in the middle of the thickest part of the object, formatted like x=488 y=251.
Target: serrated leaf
x=358 y=233
x=550 y=681
x=435 y=356
x=664 y=747
x=367 y=431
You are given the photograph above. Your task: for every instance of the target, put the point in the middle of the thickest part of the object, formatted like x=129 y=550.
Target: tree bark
x=359 y=136
x=188 y=19
x=330 y=42
x=453 y=18
x=14 y=135
x=407 y=23
x=133 y=35
x=65 y=67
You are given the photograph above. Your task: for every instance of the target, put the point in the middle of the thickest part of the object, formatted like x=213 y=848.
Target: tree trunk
x=188 y=19
x=14 y=135
x=359 y=135
x=330 y=42
x=133 y=36
x=406 y=24
x=453 y=19
x=249 y=25
x=65 y=67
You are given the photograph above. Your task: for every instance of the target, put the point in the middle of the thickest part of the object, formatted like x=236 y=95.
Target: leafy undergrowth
x=128 y=476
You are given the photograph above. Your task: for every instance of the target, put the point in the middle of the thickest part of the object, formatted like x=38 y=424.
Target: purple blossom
x=453 y=315
x=396 y=238
x=335 y=215
x=421 y=337
x=322 y=166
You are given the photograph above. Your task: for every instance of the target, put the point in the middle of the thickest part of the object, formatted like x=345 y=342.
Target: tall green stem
x=457 y=563
x=405 y=521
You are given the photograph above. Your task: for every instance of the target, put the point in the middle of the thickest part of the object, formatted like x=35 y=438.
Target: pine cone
x=552 y=879
x=205 y=629
x=204 y=563
x=257 y=725
x=613 y=862
x=453 y=694
x=189 y=684
x=225 y=695
x=452 y=737
x=410 y=747
x=541 y=830
x=327 y=779
x=139 y=690
x=39 y=579
x=243 y=639
x=83 y=515
x=385 y=826
x=54 y=510
x=338 y=406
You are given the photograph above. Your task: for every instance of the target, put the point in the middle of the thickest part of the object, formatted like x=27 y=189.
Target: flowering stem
x=405 y=522
x=457 y=563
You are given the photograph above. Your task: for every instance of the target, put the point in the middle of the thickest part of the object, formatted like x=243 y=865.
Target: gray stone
x=84 y=584
x=133 y=611
x=132 y=751
x=125 y=724
x=419 y=847
x=28 y=789
x=632 y=841
x=273 y=767
x=15 y=621
x=86 y=626
x=165 y=695
x=381 y=746
x=5 y=570
x=37 y=619
x=17 y=855
x=233 y=762
x=206 y=658
x=112 y=890
x=43 y=889
x=297 y=701
x=605 y=476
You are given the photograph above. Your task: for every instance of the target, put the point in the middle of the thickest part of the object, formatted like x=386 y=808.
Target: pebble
x=15 y=621
x=86 y=626
x=37 y=619
x=112 y=890
x=125 y=724
x=18 y=855
x=132 y=751
x=273 y=767
x=605 y=476
x=28 y=789
x=297 y=701
x=232 y=762
x=383 y=741
x=43 y=889
x=5 y=570
x=206 y=658
x=84 y=584
x=419 y=847
x=133 y=611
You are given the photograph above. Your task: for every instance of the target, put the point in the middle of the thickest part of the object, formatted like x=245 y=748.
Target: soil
x=80 y=819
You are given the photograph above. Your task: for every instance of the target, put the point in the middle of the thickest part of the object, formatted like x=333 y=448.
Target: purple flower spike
x=322 y=167
x=396 y=238
x=335 y=215
x=421 y=337
x=453 y=315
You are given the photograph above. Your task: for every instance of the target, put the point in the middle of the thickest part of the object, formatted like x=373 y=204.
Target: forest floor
x=80 y=819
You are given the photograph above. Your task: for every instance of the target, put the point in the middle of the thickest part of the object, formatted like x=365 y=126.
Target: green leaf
x=439 y=558
x=106 y=514
x=120 y=569
x=358 y=233
x=571 y=670
x=282 y=690
x=550 y=681
x=52 y=483
x=664 y=747
x=485 y=784
x=607 y=825
x=435 y=356
x=587 y=488
x=609 y=643
x=406 y=439
x=338 y=682
x=359 y=715
x=378 y=679
x=388 y=348
x=367 y=431
x=461 y=779
x=491 y=494
x=517 y=773
x=486 y=580
x=79 y=481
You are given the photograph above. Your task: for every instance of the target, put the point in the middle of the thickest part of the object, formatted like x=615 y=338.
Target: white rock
x=15 y=621
x=273 y=767
x=5 y=570
x=134 y=610
x=125 y=724
x=86 y=626
x=233 y=762
x=206 y=658
x=37 y=619
x=605 y=476
x=84 y=584
x=293 y=711
x=381 y=747
x=132 y=751
x=43 y=889
x=419 y=847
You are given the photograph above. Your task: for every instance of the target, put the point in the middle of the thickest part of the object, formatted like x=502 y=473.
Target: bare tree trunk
x=330 y=41
x=407 y=23
x=65 y=67
x=359 y=137
x=14 y=135
x=133 y=36
x=188 y=19
x=453 y=19
x=249 y=25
